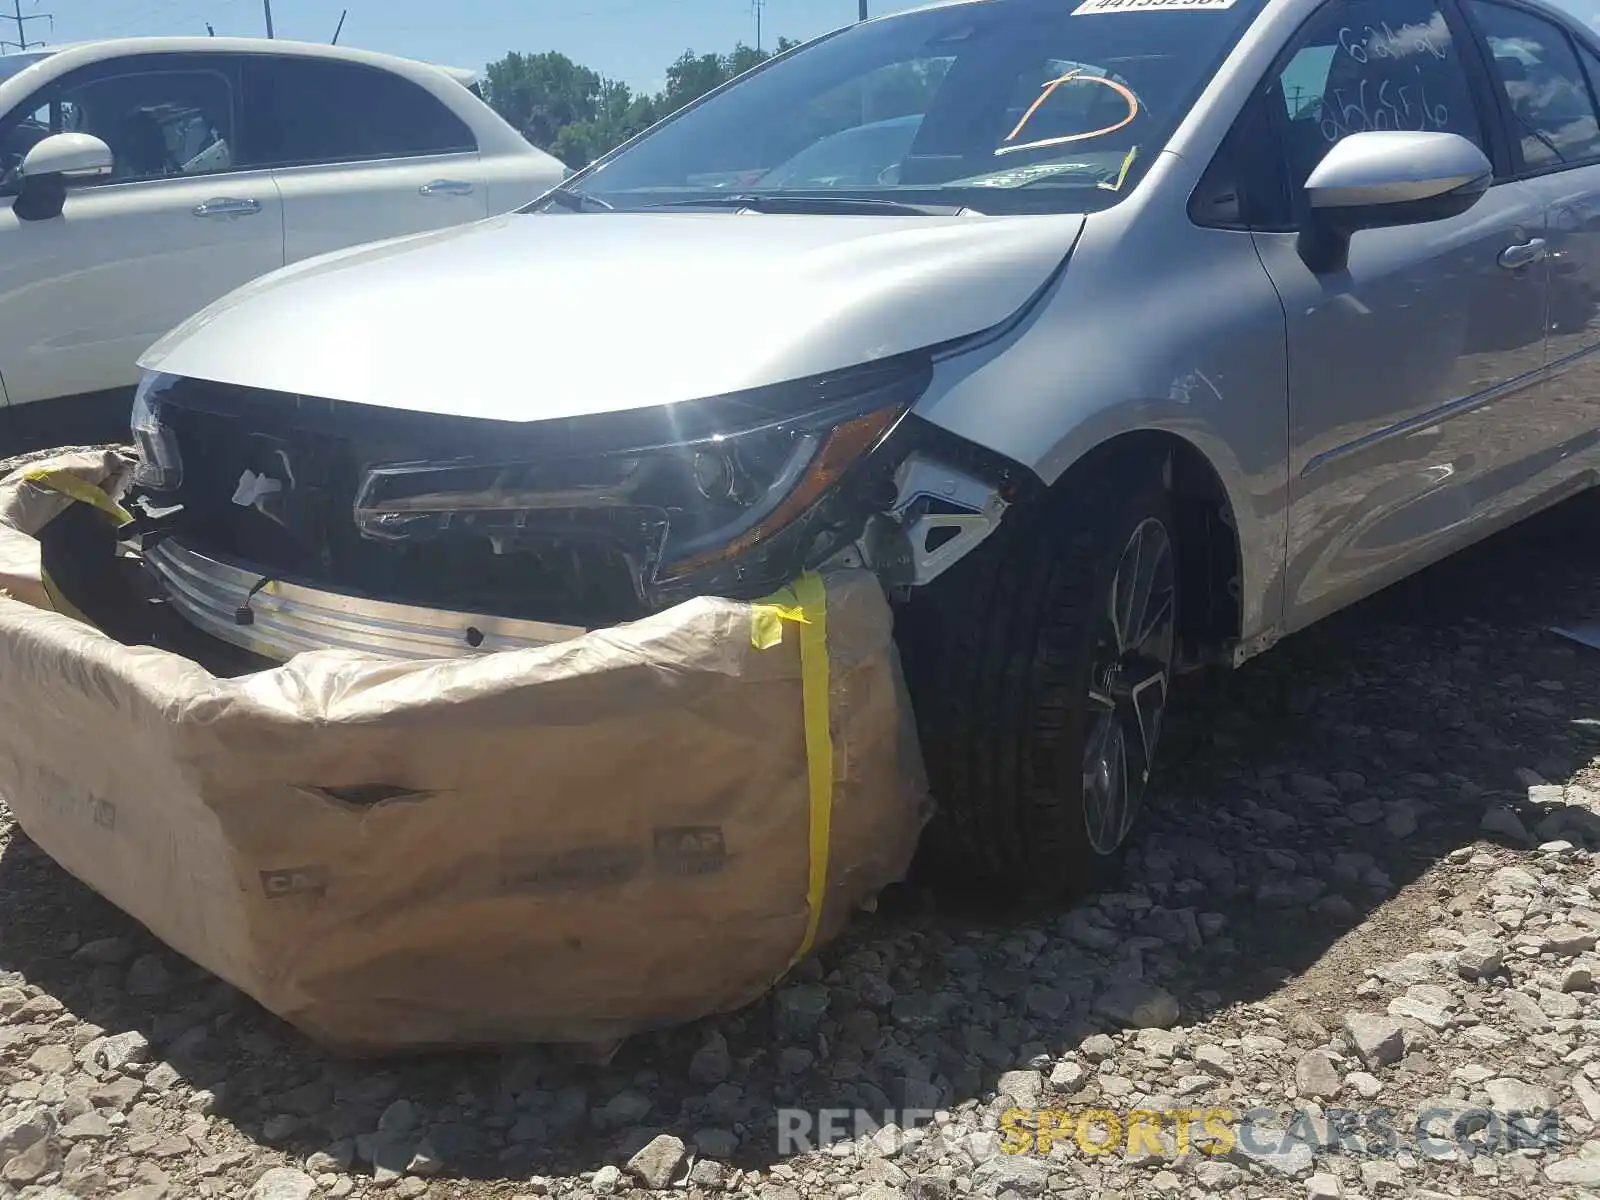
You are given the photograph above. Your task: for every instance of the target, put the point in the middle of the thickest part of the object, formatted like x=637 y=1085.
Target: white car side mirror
x=1443 y=172
x=1385 y=178
x=70 y=155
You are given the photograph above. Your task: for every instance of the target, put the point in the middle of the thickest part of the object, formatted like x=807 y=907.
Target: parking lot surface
x=1367 y=901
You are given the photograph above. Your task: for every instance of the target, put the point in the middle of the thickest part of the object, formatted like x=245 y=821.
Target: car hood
x=532 y=317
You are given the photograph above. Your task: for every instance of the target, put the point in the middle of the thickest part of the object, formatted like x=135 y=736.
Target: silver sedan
x=1125 y=337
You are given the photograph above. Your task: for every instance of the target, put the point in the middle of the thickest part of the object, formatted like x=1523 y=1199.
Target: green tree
x=542 y=94
x=691 y=77
x=577 y=115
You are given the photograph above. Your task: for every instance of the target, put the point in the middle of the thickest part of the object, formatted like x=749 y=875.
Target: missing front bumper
x=400 y=856
x=286 y=617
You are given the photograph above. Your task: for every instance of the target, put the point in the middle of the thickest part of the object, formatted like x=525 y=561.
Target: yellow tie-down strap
x=78 y=489
x=805 y=603
x=74 y=488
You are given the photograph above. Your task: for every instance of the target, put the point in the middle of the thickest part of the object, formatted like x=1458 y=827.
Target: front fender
x=1188 y=341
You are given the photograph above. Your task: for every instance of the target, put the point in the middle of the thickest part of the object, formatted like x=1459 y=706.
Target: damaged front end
x=282 y=523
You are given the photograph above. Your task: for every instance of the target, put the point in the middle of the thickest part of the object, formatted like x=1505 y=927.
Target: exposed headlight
x=160 y=465
x=698 y=502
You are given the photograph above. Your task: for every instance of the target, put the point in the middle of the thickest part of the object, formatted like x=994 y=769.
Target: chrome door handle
x=1522 y=254
x=446 y=187
x=227 y=207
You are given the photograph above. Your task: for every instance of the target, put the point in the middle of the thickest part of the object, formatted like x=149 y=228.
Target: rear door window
x=1552 y=112
x=305 y=111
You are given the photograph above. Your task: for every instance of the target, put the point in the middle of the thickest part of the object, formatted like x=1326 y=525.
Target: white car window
x=317 y=110
x=20 y=135
x=161 y=119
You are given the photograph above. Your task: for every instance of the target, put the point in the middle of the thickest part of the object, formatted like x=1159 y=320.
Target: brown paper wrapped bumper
x=630 y=830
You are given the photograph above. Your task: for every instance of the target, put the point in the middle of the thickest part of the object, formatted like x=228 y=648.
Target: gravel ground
x=1368 y=885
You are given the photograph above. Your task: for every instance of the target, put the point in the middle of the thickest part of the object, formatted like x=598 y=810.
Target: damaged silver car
x=1125 y=337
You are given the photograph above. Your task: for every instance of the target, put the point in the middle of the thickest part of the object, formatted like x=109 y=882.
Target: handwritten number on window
x=1383 y=42
x=1355 y=49
x=1358 y=116
x=1408 y=107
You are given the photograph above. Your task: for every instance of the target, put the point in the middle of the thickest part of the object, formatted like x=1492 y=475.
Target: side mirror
x=52 y=164
x=1380 y=179
x=75 y=155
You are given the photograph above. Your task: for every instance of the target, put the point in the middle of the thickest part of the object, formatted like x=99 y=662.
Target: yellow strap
x=768 y=616
x=1122 y=175
x=58 y=601
x=806 y=604
x=78 y=489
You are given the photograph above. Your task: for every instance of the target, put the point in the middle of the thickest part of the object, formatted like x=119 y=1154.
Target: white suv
x=141 y=179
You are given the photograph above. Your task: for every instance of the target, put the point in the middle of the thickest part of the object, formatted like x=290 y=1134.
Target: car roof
x=115 y=47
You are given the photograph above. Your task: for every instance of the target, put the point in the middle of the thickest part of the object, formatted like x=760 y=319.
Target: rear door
x=358 y=153
x=1548 y=103
x=177 y=224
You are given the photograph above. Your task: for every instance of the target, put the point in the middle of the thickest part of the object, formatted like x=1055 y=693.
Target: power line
x=138 y=18
x=22 y=25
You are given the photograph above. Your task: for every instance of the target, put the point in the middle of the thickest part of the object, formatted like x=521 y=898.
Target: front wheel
x=1040 y=668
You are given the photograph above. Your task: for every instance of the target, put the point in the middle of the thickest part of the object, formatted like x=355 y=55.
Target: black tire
x=999 y=655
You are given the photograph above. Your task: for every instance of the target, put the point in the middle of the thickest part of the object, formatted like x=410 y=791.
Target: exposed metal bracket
x=936 y=537
x=1243 y=651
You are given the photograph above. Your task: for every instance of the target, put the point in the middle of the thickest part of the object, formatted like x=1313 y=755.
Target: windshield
x=994 y=105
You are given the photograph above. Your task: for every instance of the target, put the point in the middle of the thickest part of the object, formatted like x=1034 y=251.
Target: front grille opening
x=120 y=599
x=306 y=530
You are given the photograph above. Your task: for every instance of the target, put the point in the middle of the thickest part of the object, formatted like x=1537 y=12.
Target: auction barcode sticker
x=1089 y=7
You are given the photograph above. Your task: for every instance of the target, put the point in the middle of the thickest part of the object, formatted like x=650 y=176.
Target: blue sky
x=632 y=40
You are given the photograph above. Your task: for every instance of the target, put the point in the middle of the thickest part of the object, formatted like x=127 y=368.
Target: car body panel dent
x=1203 y=359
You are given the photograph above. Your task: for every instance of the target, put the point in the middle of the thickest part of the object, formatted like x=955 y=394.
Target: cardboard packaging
x=637 y=828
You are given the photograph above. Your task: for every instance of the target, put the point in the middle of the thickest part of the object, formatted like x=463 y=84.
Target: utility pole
x=758 y=5
x=340 y=29
x=267 y=4
x=863 y=16
x=22 y=25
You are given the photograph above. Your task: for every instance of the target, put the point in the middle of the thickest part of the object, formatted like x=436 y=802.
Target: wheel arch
x=1211 y=556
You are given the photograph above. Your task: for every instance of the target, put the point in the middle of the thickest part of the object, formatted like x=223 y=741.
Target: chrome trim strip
x=1442 y=412
x=292 y=617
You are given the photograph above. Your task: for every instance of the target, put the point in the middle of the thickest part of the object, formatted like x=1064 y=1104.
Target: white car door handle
x=227 y=207
x=1522 y=254
x=446 y=187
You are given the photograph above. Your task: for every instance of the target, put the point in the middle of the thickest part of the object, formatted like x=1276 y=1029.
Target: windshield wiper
x=572 y=201
x=771 y=202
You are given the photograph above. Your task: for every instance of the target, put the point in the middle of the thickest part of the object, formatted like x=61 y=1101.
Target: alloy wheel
x=1130 y=678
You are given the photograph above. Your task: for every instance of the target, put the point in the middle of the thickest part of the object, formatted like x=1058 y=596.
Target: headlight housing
x=689 y=505
x=160 y=465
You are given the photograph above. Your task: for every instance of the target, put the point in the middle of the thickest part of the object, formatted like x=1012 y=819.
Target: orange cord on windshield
x=1076 y=73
